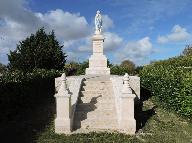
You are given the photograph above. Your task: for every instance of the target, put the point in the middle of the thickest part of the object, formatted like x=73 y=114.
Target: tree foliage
x=187 y=51
x=129 y=65
x=75 y=68
x=40 y=50
x=2 y=68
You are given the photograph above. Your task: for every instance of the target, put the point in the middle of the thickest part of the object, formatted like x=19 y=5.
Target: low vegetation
x=20 y=91
x=170 y=81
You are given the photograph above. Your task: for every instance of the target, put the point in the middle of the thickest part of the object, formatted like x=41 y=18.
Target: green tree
x=138 y=69
x=40 y=50
x=82 y=67
x=187 y=51
x=75 y=68
x=109 y=64
x=129 y=65
x=71 y=68
x=2 y=68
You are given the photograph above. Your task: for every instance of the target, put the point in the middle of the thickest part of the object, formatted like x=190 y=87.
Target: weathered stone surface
x=96 y=108
x=98 y=61
x=63 y=105
x=66 y=100
x=134 y=83
x=98 y=104
x=124 y=100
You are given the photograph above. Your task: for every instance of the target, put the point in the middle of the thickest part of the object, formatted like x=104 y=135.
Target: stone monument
x=96 y=101
x=98 y=61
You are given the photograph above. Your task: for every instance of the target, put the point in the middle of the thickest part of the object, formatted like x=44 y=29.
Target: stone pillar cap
x=128 y=95
x=98 y=37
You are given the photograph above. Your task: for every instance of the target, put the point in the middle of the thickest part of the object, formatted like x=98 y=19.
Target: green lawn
x=160 y=126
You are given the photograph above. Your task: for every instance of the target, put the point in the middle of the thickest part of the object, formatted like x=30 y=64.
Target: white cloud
x=112 y=41
x=17 y=22
x=107 y=22
x=66 y=25
x=136 y=51
x=177 y=34
x=15 y=10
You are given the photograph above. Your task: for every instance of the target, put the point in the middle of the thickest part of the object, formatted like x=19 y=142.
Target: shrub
x=82 y=67
x=3 y=68
x=20 y=91
x=171 y=82
x=74 y=68
x=118 y=70
x=187 y=51
x=126 y=66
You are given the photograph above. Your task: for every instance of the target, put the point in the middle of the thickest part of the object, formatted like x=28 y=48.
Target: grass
x=161 y=127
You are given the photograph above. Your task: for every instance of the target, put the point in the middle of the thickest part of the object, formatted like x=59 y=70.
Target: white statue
x=98 y=23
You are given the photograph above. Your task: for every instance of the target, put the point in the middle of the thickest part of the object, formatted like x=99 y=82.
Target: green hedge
x=171 y=82
x=21 y=91
x=119 y=70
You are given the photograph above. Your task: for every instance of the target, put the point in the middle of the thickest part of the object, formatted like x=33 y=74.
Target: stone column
x=98 y=61
x=63 y=105
x=127 y=120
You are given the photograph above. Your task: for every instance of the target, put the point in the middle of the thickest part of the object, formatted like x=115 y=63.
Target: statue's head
x=98 y=12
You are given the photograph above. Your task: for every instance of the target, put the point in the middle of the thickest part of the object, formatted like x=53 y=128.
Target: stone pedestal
x=62 y=121
x=98 y=61
x=127 y=120
x=63 y=105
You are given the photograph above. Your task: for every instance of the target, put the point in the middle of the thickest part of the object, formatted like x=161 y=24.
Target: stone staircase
x=95 y=110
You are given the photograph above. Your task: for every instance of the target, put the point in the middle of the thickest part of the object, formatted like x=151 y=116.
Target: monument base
x=97 y=71
x=97 y=65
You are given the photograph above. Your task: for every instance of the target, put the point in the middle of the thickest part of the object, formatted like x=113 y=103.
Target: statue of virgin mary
x=98 y=22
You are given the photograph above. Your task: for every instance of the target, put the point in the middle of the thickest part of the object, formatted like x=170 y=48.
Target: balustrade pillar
x=127 y=120
x=63 y=105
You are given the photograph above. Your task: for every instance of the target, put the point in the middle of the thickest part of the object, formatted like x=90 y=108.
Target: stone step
x=92 y=84
x=100 y=83
x=83 y=115
x=95 y=92
x=96 y=124
x=98 y=78
x=95 y=95
x=95 y=83
x=95 y=88
x=96 y=109
x=92 y=99
x=89 y=107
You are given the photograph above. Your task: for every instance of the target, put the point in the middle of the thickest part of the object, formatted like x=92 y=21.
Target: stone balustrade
x=63 y=105
x=67 y=93
x=66 y=99
x=127 y=120
x=117 y=84
x=124 y=99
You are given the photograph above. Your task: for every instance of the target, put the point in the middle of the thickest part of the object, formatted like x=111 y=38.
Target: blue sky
x=139 y=30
